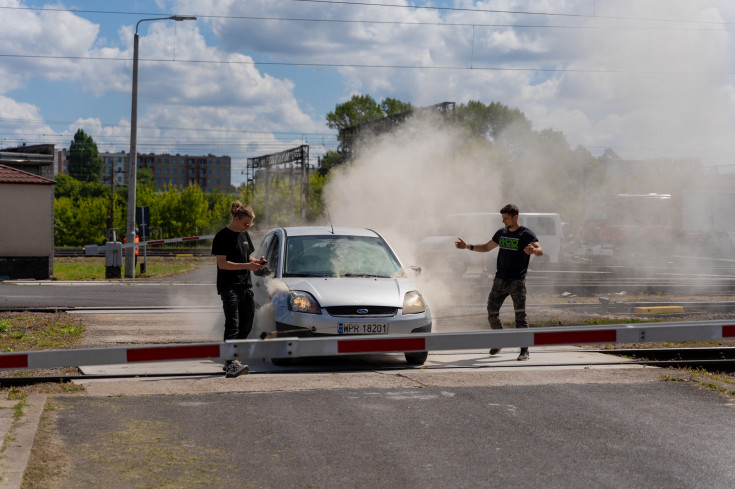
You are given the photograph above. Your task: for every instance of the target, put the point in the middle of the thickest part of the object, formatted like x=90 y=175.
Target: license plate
x=363 y=328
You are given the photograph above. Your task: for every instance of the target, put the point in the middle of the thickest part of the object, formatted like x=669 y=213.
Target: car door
x=263 y=284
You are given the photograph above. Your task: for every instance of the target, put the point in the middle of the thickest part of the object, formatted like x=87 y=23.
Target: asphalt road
x=650 y=435
x=542 y=427
x=195 y=288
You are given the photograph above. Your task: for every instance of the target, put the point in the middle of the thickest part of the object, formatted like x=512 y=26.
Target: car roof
x=327 y=230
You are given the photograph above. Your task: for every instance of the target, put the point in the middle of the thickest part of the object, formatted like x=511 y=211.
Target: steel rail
x=723 y=364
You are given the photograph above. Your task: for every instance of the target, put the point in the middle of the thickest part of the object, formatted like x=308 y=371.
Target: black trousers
x=239 y=310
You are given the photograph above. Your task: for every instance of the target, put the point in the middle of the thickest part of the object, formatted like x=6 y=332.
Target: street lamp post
x=133 y=156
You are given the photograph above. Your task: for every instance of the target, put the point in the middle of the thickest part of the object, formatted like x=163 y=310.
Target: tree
x=84 y=159
x=391 y=106
x=144 y=179
x=490 y=121
x=68 y=186
x=80 y=222
x=359 y=110
x=315 y=200
x=329 y=161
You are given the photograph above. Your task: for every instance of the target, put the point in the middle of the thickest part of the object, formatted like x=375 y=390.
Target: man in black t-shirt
x=517 y=243
x=232 y=247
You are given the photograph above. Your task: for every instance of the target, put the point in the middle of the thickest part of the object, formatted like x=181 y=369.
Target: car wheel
x=281 y=362
x=416 y=358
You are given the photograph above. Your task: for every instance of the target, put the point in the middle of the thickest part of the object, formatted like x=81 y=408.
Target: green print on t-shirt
x=509 y=243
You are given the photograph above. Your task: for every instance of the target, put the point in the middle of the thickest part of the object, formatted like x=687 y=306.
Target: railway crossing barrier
x=91 y=250
x=351 y=345
x=114 y=254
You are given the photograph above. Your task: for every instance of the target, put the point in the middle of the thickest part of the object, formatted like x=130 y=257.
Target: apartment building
x=210 y=172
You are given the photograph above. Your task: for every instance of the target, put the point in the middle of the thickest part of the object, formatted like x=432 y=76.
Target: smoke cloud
x=403 y=184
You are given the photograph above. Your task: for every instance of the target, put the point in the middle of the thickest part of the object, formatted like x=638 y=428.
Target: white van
x=479 y=227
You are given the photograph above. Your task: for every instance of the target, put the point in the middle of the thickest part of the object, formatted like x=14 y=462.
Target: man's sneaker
x=524 y=354
x=495 y=351
x=235 y=369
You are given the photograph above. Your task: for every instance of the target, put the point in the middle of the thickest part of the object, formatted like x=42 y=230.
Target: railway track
x=718 y=359
x=151 y=251
x=652 y=281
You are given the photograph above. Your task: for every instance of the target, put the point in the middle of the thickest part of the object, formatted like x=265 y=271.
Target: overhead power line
x=188 y=129
x=592 y=15
x=378 y=66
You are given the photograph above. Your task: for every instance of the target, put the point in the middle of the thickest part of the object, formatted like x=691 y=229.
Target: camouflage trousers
x=501 y=289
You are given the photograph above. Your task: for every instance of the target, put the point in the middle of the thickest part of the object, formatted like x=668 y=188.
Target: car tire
x=281 y=362
x=416 y=358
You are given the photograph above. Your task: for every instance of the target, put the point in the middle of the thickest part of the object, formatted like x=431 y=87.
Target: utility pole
x=133 y=156
x=112 y=200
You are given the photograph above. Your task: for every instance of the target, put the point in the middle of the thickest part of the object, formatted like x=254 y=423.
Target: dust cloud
x=403 y=184
x=264 y=323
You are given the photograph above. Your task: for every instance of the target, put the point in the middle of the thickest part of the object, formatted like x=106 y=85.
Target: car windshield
x=339 y=256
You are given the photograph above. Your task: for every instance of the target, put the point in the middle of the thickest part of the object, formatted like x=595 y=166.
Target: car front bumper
x=290 y=323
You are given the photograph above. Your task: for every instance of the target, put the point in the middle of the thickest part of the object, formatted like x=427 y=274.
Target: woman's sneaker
x=495 y=351
x=235 y=369
x=524 y=354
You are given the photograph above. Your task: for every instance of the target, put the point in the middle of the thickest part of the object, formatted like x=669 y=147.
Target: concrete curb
x=18 y=448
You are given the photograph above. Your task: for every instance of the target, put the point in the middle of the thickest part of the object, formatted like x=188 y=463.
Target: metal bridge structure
x=292 y=164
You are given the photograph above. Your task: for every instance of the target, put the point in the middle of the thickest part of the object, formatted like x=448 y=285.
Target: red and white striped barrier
x=172 y=240
x=509 y=338
x=112 y=356
x=91 y=250
x=351 y=345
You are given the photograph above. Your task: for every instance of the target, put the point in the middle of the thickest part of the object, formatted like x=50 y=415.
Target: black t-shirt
x=512 y=260
x=237 y=247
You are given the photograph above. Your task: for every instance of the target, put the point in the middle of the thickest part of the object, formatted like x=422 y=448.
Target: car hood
x=330 y=292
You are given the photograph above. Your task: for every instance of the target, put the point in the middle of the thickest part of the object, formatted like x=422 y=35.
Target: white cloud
x=639 y=86
x=19 y=120
x=223 y=91
x=27 y=32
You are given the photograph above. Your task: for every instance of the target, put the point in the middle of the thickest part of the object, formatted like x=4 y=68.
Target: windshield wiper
x=307 y=274
x=373 y=275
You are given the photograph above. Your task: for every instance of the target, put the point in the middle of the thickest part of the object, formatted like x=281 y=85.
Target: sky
x=646 y=78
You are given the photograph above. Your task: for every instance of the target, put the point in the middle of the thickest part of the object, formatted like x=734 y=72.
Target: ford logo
x=362 y=311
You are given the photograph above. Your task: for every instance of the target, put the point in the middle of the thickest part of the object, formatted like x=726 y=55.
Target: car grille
x=372 y=311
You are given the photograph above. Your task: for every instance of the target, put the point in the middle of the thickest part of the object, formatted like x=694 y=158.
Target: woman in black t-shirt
x=232 y=247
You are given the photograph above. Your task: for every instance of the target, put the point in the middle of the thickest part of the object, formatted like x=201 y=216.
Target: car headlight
x=299 y=301
x=413 y=303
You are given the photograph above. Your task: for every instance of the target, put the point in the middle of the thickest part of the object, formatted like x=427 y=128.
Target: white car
x=338 y=281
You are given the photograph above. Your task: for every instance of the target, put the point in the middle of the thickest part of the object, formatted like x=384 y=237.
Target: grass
x=722 y=383
x=93 y=268
x=36 y=331
x=22 y=331
x=49 y=458
x=29 y=331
